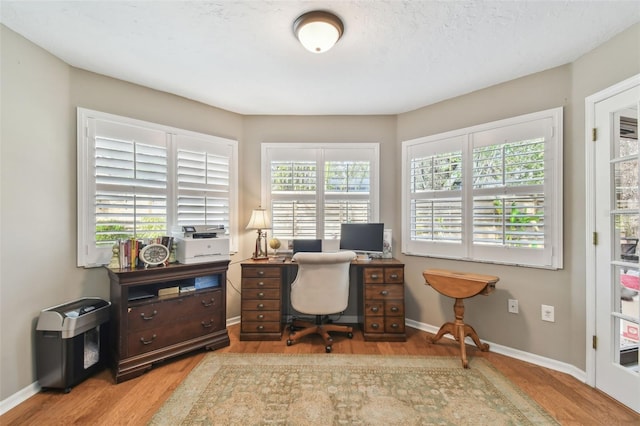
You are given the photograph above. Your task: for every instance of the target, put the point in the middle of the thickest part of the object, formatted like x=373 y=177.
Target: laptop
x=307 y=245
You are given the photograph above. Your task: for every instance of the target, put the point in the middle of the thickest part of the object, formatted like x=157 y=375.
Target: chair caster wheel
x=350 y=335
x=289 y=342
x=327 y=349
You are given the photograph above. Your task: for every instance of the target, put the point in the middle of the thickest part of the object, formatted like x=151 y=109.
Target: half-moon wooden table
x=460 y=285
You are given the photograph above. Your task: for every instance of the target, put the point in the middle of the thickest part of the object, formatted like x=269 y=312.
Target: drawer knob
x=394 y=309
x=394 y=325
x=260 y=305
x=207 y=325
x=374 y=276
x=261 y=284
x=260 y=273
x=260 y=317
x=384 y=293
x=375 y=326
x=147 y=342
x=260 y=327
x=147 y=318
x=261 y=295
x=209 y=303
x=375 y=309
x=394 y=276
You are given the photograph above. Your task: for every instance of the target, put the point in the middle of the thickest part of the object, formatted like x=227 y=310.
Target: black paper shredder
x=71 y=342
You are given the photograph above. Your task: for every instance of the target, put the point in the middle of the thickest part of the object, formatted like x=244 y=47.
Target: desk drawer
x=373 y=275
x=260 y=305
x=394 y=275
x=383 y=291
x=394 y=308
x=394 y=324
x=260 y=272
x=261 y=316
x=260 y=327
x=261 y=294
x=261 y=283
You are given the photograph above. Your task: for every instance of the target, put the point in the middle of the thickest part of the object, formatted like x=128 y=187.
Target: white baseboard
x=513 y=353
x=26 y=393
x=19 y=397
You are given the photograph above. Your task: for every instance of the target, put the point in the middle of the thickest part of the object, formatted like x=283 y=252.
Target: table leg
x=459 y=330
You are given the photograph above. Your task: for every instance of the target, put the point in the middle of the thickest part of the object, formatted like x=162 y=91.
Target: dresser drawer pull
x=153 y=314
x=207 y=304
x=394 y=276
x=260 y=273
x=147 y=342
x=261 y=284
x=394 y=309
x=394 y=325
x=375 y=309
x=260 y=317
x=375 y=326
x=209 y=325
x=261 y=295
x=260 y=305
x=374 y=276
x=260 y=327
x=384 y=293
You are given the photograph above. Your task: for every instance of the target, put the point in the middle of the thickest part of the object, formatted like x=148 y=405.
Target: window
x=490 y=193
x=143 y=180
x=311 y=190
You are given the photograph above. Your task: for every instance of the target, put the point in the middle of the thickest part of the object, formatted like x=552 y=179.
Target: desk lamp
x=260 y=220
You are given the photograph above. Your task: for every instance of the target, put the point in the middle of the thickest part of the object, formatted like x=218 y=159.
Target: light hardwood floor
x=98 y=401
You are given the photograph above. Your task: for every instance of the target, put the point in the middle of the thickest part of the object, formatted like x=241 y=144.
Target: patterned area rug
x=336 y=389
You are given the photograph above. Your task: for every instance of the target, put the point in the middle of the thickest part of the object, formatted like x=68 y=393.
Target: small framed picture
x=387 y=252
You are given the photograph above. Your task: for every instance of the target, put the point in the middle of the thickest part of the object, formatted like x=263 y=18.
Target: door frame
x=590 y=187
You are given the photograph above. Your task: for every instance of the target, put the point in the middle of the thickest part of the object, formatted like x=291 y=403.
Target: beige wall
x=38 y=168
x=531 y=287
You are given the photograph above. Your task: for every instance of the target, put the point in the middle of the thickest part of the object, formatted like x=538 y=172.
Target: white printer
x=201 y=243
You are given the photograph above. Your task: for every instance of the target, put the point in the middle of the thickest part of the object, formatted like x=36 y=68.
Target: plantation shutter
x=347 y=195
x=491 y=192
x=131 y=170
x=311 y=191
x=435 y=208
x=203 y=175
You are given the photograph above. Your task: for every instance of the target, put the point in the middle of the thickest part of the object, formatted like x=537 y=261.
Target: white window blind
x=490 y=193
x=143 y=180
x=312 y=190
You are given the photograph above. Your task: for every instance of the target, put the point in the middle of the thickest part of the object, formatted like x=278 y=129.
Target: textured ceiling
x=242 y=56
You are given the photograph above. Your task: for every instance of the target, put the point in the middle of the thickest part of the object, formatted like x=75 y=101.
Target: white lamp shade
x=318 y=31
x=259 y=220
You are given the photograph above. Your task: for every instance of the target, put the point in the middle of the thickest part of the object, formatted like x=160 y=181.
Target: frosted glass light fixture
x=318 y=31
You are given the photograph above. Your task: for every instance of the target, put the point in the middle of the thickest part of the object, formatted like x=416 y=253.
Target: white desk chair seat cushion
x=321 y=286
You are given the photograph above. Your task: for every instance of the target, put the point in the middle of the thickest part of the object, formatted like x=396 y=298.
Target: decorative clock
x=154 y=255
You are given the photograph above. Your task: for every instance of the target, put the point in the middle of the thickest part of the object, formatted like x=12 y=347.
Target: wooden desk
x=460 y=285
x=265 y=297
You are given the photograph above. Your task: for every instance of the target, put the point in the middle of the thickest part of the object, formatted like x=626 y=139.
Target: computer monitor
x=307 y=245
x=364 y=238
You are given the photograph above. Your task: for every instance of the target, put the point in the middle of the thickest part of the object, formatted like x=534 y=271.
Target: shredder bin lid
x=74 y=318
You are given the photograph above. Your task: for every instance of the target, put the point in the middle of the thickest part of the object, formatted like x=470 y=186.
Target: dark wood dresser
x=162 y=312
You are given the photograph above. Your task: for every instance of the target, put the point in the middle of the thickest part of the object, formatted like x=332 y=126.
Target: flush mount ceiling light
x=318 y=31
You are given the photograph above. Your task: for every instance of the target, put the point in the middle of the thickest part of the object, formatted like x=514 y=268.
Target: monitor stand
x=363 y=258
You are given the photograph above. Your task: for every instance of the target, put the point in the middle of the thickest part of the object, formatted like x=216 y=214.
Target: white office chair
x=321 y=288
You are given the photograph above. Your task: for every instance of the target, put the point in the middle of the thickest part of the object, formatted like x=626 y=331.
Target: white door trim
x=590 y=268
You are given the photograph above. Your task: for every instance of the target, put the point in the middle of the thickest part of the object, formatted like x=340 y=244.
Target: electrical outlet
x=513 y=306
x=547 y=312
